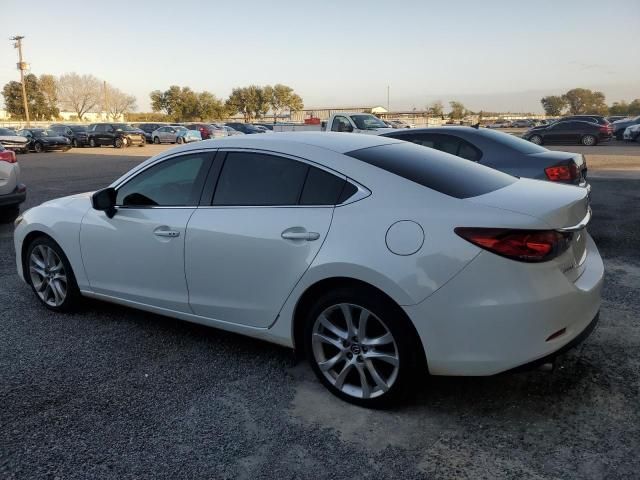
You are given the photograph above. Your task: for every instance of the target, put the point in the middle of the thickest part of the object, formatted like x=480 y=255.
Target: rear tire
x=589 y=140
x=92 y=142
x=179 y=140
x=50 y=275
x=373 y=368
x=74 y=143
x=537 y=139
x=119 y=143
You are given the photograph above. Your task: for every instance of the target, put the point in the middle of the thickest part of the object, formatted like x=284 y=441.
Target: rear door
x=257 y=234
x=561 y=132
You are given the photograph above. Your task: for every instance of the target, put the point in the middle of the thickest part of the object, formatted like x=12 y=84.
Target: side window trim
x=210 y=155
x=211 y=182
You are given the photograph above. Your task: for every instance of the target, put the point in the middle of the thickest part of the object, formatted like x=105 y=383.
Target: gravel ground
x=116 y=393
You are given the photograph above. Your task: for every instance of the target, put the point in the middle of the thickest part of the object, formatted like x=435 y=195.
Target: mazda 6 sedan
x=377 y=258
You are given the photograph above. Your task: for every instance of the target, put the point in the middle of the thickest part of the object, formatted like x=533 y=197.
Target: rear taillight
x=606 y=129
x=523 y=245
x=562 y=173
x=7 y=156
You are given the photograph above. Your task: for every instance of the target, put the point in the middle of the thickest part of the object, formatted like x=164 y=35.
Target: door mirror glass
x=105 y=200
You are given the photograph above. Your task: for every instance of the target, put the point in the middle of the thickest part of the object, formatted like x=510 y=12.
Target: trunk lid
x=559 y=206
x=551 y=158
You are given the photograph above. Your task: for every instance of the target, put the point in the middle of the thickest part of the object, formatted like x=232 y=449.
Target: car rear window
x=448 y=174
x=511 y=141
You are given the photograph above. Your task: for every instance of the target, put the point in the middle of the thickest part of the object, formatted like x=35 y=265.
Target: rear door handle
x=308 y=236
x=160 y=232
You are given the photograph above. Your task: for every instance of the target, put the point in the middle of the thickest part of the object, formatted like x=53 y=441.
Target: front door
x=268 y=219
x=138 y=255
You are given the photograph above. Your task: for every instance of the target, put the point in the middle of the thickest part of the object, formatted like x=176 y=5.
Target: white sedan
x=376 y=257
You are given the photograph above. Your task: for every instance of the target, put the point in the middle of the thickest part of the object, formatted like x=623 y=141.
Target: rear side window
x=258 y=179
x=453 y=176
x=321 y=188
x=445 y=143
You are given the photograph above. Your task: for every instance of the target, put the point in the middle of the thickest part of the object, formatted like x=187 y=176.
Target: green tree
x=457 y=110
x=282 y=97
x=146 y=117
x=585 y=101
x=634 y=107
x=79 y=93
x=39 y=107
x=183 y=104
x=49 y=88
x=436 y=108
x=553 y=105
x=249 y=101
x=209 y=107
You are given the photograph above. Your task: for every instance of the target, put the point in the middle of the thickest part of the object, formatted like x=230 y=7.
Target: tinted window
x=340 y=124
x=446 y=143
x=259 y=179
x=447 y=174
x=468 y=151
x=321 y=188
x=348 y=191
x=174 y=182
x=511 y=141
x=79 y=129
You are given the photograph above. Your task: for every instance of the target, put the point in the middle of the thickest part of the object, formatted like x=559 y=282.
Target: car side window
x=321 y=188
x=258 y=179
x=340 y=124
x=468 y=151
x=174 y=182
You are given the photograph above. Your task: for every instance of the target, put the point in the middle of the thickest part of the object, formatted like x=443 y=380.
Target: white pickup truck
x=342 y=122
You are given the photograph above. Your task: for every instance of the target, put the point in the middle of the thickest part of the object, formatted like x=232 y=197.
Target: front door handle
x=308 y=236
x=166 y=233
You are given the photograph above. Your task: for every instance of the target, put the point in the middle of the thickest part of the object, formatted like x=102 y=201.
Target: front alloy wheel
x=355 y=351
x=119 y=143
x=38 y=147
x=48 y=275
x=589 y=140
x=537 y=139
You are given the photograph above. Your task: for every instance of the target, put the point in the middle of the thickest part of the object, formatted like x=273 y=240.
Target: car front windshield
x=6 y=131
x=180 y=129
x=511 y=141
x=44 y=133
x=368 y=122
x=123 y=127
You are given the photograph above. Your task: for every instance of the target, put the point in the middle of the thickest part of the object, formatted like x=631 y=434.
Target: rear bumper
x=497 y=314
x=16 y=197
x=136 y=140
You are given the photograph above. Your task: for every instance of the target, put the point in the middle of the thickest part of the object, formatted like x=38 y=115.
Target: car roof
x=336 y=142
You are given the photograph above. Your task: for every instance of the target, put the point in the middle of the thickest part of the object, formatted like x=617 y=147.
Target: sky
x=491 y=55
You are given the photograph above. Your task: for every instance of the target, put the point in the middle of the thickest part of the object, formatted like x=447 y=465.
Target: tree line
x=252 y=102
x=584 y=101
x=47 y=95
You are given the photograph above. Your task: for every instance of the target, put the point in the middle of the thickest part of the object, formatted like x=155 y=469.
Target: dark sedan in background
x=45 y=140
x=246 y=128
x=148 y=128
x=77 y=134
x=118 y=135
x=501 y=151
x=621 y=125
x=568 y=132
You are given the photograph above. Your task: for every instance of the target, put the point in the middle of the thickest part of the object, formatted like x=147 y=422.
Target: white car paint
x=476 y=313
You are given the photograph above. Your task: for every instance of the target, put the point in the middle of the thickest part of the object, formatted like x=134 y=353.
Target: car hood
x=559 y=206
x=64 y=201
x=13 y=139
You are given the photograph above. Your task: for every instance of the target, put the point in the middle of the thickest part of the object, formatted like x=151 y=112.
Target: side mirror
x=105 y=200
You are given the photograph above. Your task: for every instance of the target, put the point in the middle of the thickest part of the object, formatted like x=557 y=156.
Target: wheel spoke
x=381 y=340
x=57 y=294
x=329 y=364
x=376 y=376
x=38 y=270
x=362 y=325
x=338 y=332
x=43 y=285
x=364 y=383
x=346 y=312
x=325 y=339
x=385 y=357
x=38 y=261
x=50 y=261
x=339 y=381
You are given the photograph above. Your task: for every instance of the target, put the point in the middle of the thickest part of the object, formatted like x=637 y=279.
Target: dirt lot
x=116 y=393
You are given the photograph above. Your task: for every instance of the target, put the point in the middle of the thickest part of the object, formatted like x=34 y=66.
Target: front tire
x=537 y=139
x=119 y=143
x=74 y=143
x=361 y=347
x=92 y=142
x=589 y=140
x=49 y=273
x=179 y=140
x=38 y=147
x=156 y=140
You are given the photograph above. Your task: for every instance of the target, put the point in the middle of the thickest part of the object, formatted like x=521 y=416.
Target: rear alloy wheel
x=589 y=140
x=119 y=143
x=359 y=349
x=537 y=139
x=38 y=147
x=92 y=142
x=156 y=140
x=50 y=275
x=180 y=140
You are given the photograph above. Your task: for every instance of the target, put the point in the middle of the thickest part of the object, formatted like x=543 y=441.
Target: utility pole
x=387 y=98
x=22 y=66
